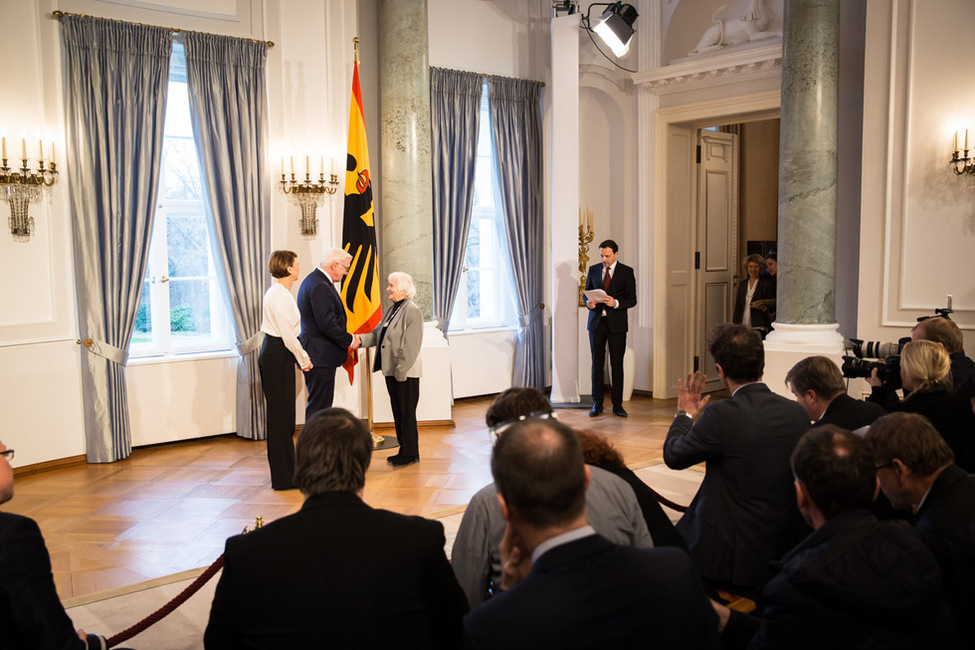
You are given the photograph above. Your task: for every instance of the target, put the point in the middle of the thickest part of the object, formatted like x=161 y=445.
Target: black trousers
x=320 y=382
x=277 y=366
x=403 y=397
x=598 y=338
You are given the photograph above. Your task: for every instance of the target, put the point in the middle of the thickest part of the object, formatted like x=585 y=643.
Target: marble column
x=407 y=203
x=806 y=320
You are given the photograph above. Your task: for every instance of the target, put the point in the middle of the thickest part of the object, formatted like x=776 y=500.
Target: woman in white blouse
x=279 y=353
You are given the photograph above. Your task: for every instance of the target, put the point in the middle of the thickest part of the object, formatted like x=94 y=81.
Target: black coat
x=946 y=523
x=323 y=321
x=853 y=583
x=744 y=515
x=337 y=574
x=764 y=290
x=622 y=287
x=662 y=531
x=849 y=413
x=591 y=593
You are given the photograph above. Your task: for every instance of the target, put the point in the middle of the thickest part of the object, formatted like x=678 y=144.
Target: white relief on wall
x=751 y=25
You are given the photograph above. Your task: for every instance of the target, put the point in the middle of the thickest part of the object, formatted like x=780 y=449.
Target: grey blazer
x=400 y=353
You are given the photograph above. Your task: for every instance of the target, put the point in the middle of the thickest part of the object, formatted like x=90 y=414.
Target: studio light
x=615 y=27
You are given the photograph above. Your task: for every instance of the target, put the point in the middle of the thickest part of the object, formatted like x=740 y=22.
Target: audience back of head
x=539 y=470
x=818 y=374
x=912 y=439
x=332 y=453
x=739 y=351
x=837 y=470
x=514 y=403
x=940 y=330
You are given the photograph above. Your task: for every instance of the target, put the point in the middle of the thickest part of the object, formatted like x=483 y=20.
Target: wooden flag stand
x=379 y=442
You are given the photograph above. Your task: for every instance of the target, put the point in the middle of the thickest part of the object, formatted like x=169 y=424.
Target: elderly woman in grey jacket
x=399 y=337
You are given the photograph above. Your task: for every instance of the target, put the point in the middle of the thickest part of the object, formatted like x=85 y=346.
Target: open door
x=717 y=241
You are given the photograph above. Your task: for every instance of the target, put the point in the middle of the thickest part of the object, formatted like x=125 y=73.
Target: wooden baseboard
x=48 y=465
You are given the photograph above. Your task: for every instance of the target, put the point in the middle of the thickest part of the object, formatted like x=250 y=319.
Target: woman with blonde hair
x=755 y=300
x=924 y=369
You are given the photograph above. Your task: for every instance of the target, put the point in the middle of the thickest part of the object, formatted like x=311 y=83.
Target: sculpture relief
x=752 y=25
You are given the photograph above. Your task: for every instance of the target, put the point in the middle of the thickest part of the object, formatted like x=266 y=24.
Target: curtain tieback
x=533 y=315
x=251 y=344
x=105 y=350
x=442 y=324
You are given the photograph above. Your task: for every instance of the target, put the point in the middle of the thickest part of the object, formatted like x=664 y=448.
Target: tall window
x=182 y=308
x=486 y=296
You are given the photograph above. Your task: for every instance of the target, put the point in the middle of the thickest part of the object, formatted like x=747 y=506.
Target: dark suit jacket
x=744 y=515
x=849 y=413
x=337 y=574
x=946 y=523
x=590 y=593
x=763 y=291
x=31 y=614
x=622 y=287
x=323 y=321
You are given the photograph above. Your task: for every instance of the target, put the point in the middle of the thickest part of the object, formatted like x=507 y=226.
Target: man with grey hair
x=337 y=573
x=324 y=331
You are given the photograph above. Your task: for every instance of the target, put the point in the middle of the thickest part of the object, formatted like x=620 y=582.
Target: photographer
x=946 y=332
x=924 y=371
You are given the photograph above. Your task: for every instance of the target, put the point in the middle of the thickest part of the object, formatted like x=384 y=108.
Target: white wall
x=917 y=217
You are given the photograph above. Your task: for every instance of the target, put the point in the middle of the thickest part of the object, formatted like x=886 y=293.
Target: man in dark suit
x=324 y=334
x=563 y=585
x=916 y=470
x=818 y=386
x=337 y=573
x=608 y=323
x=855 y=582
x=744 y=515
x=31 y=614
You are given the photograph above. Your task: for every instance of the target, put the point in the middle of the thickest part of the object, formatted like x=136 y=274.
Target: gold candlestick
x=585 y=237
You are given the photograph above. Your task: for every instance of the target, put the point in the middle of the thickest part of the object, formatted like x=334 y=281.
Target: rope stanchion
x=168 y=608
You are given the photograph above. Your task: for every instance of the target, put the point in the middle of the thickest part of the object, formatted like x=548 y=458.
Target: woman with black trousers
x=279 y=353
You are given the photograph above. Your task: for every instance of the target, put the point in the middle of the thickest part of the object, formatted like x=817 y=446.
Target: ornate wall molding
x=752 y=63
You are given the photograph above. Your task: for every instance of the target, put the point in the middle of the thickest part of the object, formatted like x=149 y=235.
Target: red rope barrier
x=662 y=500
x=167 y=609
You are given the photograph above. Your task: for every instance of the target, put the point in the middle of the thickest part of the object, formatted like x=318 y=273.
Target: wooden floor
x=169 y=508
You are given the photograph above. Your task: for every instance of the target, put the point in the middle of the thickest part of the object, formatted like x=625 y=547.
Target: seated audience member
x=916 y=470
x=925 y=369
x=855 y=582
x=613 y=509
x=744 y=514
x=31 y=614
x=818 y=386
x=337 y=573
x=946 y=332
x=564 y=586
x=599 y=452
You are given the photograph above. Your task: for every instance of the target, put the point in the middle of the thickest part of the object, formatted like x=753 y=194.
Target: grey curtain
x=516 y=127
x=455 y=110
x=225 y=80
x=115 y=81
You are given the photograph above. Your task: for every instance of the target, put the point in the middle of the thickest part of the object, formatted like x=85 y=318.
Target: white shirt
x=282 y=319
x=746 y=316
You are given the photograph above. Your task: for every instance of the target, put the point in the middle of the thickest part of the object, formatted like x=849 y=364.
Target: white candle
x=955 y=142
x=52 y=152
x=332 y=164
x=4 y=147
x=322 y=167
x=40 y=150
x=23 y=148
x=307 y=167
x=292 y=165
x=966 y=139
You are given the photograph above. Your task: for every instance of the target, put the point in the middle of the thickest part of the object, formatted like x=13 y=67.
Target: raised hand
x=689 y=394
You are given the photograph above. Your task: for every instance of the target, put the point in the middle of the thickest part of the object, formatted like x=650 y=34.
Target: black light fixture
x=615 y=26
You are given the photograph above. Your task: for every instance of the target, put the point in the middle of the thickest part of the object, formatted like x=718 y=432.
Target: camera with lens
x=866 y=357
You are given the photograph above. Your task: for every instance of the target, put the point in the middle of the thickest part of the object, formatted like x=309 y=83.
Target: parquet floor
x=169 y=508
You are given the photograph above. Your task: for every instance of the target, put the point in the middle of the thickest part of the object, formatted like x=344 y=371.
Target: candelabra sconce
x=585 y=237
x=961 y=161
x=308 y=194
x=21 y=187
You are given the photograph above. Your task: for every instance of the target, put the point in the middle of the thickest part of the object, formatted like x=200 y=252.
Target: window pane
x=143 y=318
x=189 y=307
x=187 y=245
x=473 y=293
x=181 y=170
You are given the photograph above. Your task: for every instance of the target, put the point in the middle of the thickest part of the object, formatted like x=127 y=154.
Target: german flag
x=360 y=288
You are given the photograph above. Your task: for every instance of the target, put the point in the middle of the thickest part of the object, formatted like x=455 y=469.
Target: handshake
x=356 y=342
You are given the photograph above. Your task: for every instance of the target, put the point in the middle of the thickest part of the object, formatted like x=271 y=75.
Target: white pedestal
x=789 y=344
x=435 y=391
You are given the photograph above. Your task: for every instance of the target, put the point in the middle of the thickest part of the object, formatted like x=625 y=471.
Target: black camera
x=866 y=358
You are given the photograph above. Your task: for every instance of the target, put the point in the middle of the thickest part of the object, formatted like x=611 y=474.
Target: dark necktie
x=606 y=279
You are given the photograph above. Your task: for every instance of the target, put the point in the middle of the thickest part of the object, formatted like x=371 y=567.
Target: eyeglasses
x=884 y=466
x=496 y=431
x=8 y=454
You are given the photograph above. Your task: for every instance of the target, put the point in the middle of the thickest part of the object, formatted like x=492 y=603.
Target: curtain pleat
x=225 y=79
x=516 y=128
x=455 y=111
x=115 y=79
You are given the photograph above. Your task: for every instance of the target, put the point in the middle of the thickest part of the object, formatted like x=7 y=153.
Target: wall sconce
x=22 y=187
x=961 y=163
x=309 y=194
